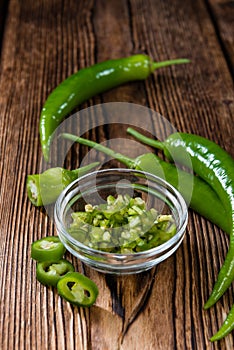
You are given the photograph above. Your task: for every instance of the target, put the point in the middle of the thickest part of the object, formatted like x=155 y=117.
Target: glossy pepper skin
x=88 y=82
x=226 y=327
x=202 y=193
x=216 y=167
x=196 y=199
x=44 y=188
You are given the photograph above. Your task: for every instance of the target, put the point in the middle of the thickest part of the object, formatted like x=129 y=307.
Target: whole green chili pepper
x=216 y=167
x=203 y=199
x=44 y=188
x=226 y=327
x=91 y=81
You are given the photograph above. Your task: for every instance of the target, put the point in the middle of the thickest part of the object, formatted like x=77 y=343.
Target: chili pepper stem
x=85 y=169
x=146 y=140
x=157 y=65
x=129 y=162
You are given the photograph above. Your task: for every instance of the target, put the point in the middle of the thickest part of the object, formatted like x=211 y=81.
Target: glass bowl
x=94 y=189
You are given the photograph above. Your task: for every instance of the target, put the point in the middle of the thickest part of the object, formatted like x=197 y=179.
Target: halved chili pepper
x=215 y=166
x=91 y=81
x=44 y=188
x=47 y=249
x=77 y=289
x=201 y=198
x=50 y=272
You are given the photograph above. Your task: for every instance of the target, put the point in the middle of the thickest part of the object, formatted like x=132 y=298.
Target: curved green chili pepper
x=91 y=81
x=216 y=167
x=45 y=188
x=226 y=327
x=203 y=199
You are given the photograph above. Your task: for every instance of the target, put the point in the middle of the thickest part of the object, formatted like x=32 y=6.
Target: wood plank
x=43 y=43
x=222 y=13
x=3 y=14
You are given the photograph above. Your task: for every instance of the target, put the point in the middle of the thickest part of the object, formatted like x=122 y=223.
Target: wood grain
x=222 y=16
x=3 y=14
x=45 y=41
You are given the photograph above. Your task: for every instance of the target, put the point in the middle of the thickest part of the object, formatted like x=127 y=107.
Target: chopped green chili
x=121 y=225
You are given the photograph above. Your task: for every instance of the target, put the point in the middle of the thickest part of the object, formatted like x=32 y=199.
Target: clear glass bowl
x=94 y=188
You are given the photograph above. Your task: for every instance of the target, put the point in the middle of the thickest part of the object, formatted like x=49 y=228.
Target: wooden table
x=42 y=42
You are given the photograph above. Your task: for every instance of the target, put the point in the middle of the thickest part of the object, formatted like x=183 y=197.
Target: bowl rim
x=120 y=256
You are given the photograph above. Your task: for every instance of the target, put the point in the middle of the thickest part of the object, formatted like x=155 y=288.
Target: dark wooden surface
x=42 y=42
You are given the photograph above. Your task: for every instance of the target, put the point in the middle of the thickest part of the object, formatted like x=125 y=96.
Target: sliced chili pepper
x=91 y=81
x=47 y=249
x=77 y=289
x=45 y=188
x=49 y=272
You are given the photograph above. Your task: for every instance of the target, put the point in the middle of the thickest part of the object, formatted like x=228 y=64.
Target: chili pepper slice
x=91 y=81
x=50 y=272
x=44 y=188
x=77 y=289
x=47 y=249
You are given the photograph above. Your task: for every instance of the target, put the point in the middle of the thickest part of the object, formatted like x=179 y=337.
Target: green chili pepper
x=91 y=81
x=215 y=166
x=77 y=289
x=226 y=327
x=50 y=272
x=203 y=199
x=47 y=249
x=45 y=188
